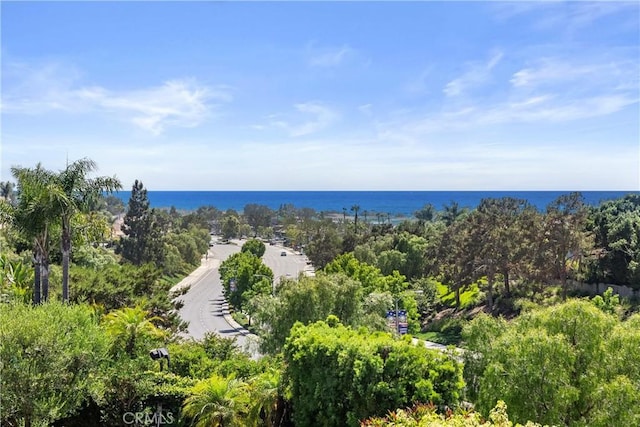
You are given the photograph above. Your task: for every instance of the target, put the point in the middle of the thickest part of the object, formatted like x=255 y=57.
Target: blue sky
x=327 y=95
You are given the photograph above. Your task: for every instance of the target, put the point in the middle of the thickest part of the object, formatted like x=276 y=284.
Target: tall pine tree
x=143 y=241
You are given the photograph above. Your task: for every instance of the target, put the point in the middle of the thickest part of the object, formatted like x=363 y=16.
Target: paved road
x=288 y=266
x=205 y=307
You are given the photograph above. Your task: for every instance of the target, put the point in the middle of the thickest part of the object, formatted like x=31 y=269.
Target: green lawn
x=468 y=298
x=440 y=337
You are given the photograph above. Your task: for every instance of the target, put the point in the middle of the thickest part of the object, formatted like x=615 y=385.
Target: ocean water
x=396 y=203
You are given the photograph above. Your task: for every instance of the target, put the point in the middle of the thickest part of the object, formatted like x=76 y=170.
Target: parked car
x=283 y=253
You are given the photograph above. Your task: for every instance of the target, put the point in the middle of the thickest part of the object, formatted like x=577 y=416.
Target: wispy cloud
x=543 y=109
x=476 y=74
x=365 y=109
x=180 y=103
x=602 y=73
x=569 y=16
x=174 y=103
x=420 y=84
x=322 y=56
x=573 y=16
x=298 y=124
x=330 y=57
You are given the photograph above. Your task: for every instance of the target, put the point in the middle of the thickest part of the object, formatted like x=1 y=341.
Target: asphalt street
x=205 y=307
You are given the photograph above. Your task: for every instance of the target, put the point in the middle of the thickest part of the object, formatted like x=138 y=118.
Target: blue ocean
x=396 y=203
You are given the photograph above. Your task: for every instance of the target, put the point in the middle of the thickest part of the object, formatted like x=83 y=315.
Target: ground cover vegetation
x=81 y=306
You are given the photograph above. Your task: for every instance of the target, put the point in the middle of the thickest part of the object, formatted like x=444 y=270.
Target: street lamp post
x=159 y=354
x=397 y=318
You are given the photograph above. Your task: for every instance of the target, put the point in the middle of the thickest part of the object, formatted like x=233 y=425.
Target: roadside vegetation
x=85 y=296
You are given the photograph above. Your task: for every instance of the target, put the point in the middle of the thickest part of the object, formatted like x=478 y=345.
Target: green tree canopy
x=81 y=194
x=562 y=365
x=616 y=228
x=216 y=402
x=142 y=242
x=307 y=300
x=52 y=356
x=368 y=376
x=257 y=216
x=254 y=246
x=244 y=275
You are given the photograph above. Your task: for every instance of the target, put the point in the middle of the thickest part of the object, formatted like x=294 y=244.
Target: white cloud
x=543 y=109
x=602 y=72
x=365 y=109
x=175 y=103
x=568 y=16
x=323 y=117
x=477 y=74
x=328 y=57
x=577 y=15
x=419 y=85
x=180 y=103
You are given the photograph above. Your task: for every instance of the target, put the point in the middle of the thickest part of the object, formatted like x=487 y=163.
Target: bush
x=368 y=375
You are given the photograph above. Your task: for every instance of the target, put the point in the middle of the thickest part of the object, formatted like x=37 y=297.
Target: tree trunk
x=36 y=279
x=563 y=280
x=44 y=267
x=280 y=412
x=490 y=280
x=507 y=285
x=66 y=249
x=457 y=297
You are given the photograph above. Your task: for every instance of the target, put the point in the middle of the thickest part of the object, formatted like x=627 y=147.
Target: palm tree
x=216 y=402
x=130 y=327
x=266 y=403
x=452 y=212
x=355 y=208
x=81 y=192
x=39 y=203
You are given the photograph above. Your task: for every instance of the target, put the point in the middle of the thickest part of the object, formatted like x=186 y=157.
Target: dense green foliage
x=254 y=246
x=15 y=280
x=570 y=364
x=142 y=243
x=34 y=215
x=426 y=416
x=81 y=194
x=308 y=300
x=51 y=357
x=245 y=276
x=87 y=363
x=118 y=286
x=258 y=217
x=616 y=227
x=339 y=376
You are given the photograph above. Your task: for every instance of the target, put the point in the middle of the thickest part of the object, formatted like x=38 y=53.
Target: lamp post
x=159 y=354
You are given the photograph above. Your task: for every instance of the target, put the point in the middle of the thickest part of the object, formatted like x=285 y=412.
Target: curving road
x=205 y=307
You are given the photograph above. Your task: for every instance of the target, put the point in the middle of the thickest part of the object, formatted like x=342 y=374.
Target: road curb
x=205 y=264
x=238 y=327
